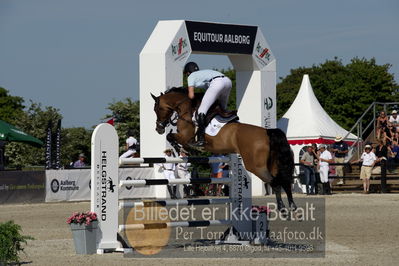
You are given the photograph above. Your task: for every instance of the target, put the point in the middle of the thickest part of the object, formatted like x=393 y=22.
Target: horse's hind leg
x=277 y=191
x=288 y=190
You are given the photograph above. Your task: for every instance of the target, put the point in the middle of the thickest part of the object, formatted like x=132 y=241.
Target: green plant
x=11 y=242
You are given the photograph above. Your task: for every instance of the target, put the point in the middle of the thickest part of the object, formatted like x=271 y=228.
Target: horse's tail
x=282 y=155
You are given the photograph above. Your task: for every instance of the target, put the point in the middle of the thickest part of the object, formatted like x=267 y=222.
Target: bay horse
x=265 y=152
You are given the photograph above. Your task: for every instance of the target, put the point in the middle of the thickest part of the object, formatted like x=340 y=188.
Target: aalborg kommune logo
x=63 y=185
x=177 y=49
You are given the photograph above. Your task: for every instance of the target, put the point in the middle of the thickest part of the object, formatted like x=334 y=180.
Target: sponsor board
x=221 y=38
x=180 y=49
x=22 y=186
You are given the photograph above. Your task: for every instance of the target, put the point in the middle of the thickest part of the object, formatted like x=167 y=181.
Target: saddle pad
x=214 y=127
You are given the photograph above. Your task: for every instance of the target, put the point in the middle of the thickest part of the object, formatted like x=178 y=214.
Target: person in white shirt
x=131 y=146
x=394 y=120
x=182 y=169
x=169 y=173
x=368 y=160
x=325 y=158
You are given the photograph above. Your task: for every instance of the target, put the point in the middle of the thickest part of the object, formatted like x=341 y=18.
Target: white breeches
x=324 y=173
x=169 y=174
x=183 y=174
x=219 y=89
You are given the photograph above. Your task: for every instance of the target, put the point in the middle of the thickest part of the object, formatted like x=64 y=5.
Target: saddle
x=216 y=111
x=223 y=116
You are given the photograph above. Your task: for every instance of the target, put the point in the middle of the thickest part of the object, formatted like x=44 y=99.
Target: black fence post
x=383 y=176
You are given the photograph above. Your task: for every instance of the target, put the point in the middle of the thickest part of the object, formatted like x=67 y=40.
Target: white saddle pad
x=214 y=127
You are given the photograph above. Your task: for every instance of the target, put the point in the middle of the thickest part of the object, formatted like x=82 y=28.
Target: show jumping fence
x=105 y=184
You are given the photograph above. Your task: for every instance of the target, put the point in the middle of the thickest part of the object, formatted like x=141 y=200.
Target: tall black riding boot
x=175 y=192
x=201 y=130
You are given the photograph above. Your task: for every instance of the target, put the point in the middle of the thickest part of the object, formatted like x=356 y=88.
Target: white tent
x=306 y=122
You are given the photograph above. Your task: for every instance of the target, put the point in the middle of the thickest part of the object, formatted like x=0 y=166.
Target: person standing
x=169 y=173
x=381 y=152
x=182 y=170
x=368 y=160
x=340 y=148
x=307 y=160
x=217 y=172
x=131 y=146
x=217 y=87
x=80 y=162
x=317 y=183
x=325 y=158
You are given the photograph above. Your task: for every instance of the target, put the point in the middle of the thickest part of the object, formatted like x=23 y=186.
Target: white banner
x=74 y=184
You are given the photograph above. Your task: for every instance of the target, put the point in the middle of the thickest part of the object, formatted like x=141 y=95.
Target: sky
x=81 y=55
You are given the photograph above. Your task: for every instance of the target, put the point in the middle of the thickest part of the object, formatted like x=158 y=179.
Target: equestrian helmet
x=191 y=67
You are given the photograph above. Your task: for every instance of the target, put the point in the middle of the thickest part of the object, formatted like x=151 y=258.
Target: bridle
x=169 y=120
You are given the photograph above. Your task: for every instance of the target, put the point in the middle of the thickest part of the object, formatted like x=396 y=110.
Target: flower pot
x=84 y=237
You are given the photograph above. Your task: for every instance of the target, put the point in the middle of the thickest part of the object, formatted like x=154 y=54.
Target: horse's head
x=163 y=112
x=166 y=104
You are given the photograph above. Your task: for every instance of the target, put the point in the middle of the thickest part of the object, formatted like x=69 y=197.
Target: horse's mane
x=177 y=89
x=184 y=91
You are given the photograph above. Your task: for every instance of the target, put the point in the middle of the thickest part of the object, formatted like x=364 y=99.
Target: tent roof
x=307 y=122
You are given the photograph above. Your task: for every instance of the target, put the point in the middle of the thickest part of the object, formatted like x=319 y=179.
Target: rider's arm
x=191 y=92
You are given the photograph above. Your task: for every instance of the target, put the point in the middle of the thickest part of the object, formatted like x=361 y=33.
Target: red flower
x=82 y=218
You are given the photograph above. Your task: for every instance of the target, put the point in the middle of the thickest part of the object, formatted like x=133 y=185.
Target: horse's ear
x=154 y=97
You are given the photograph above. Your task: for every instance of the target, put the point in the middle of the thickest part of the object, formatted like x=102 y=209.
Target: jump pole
x=105 y=186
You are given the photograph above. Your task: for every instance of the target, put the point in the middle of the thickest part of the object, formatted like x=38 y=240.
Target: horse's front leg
x=172 y=140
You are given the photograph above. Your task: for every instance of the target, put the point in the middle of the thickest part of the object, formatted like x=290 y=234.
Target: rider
x=217 y=87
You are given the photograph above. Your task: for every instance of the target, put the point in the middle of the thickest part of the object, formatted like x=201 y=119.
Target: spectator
x=80 y=162
x=394 y=158
x=325 y=159
x=316 y=168
x=394 y=120
x=368 y=160
x=388 y=134
x=307 y=160
x=331 y=173
x=131 y=146
x=169 y=173
x=382 y=124
x=381 y=152
x=182 y=170
x=340 y=149
x=217 y=172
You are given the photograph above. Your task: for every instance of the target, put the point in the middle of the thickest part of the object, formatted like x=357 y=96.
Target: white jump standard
x=105 y=185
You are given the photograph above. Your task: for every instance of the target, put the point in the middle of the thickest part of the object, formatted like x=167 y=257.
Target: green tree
x=127 y=117
x=11 y=107
x=33 y=121
x=231 y=74
x=74 y=141
x=344 y=91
